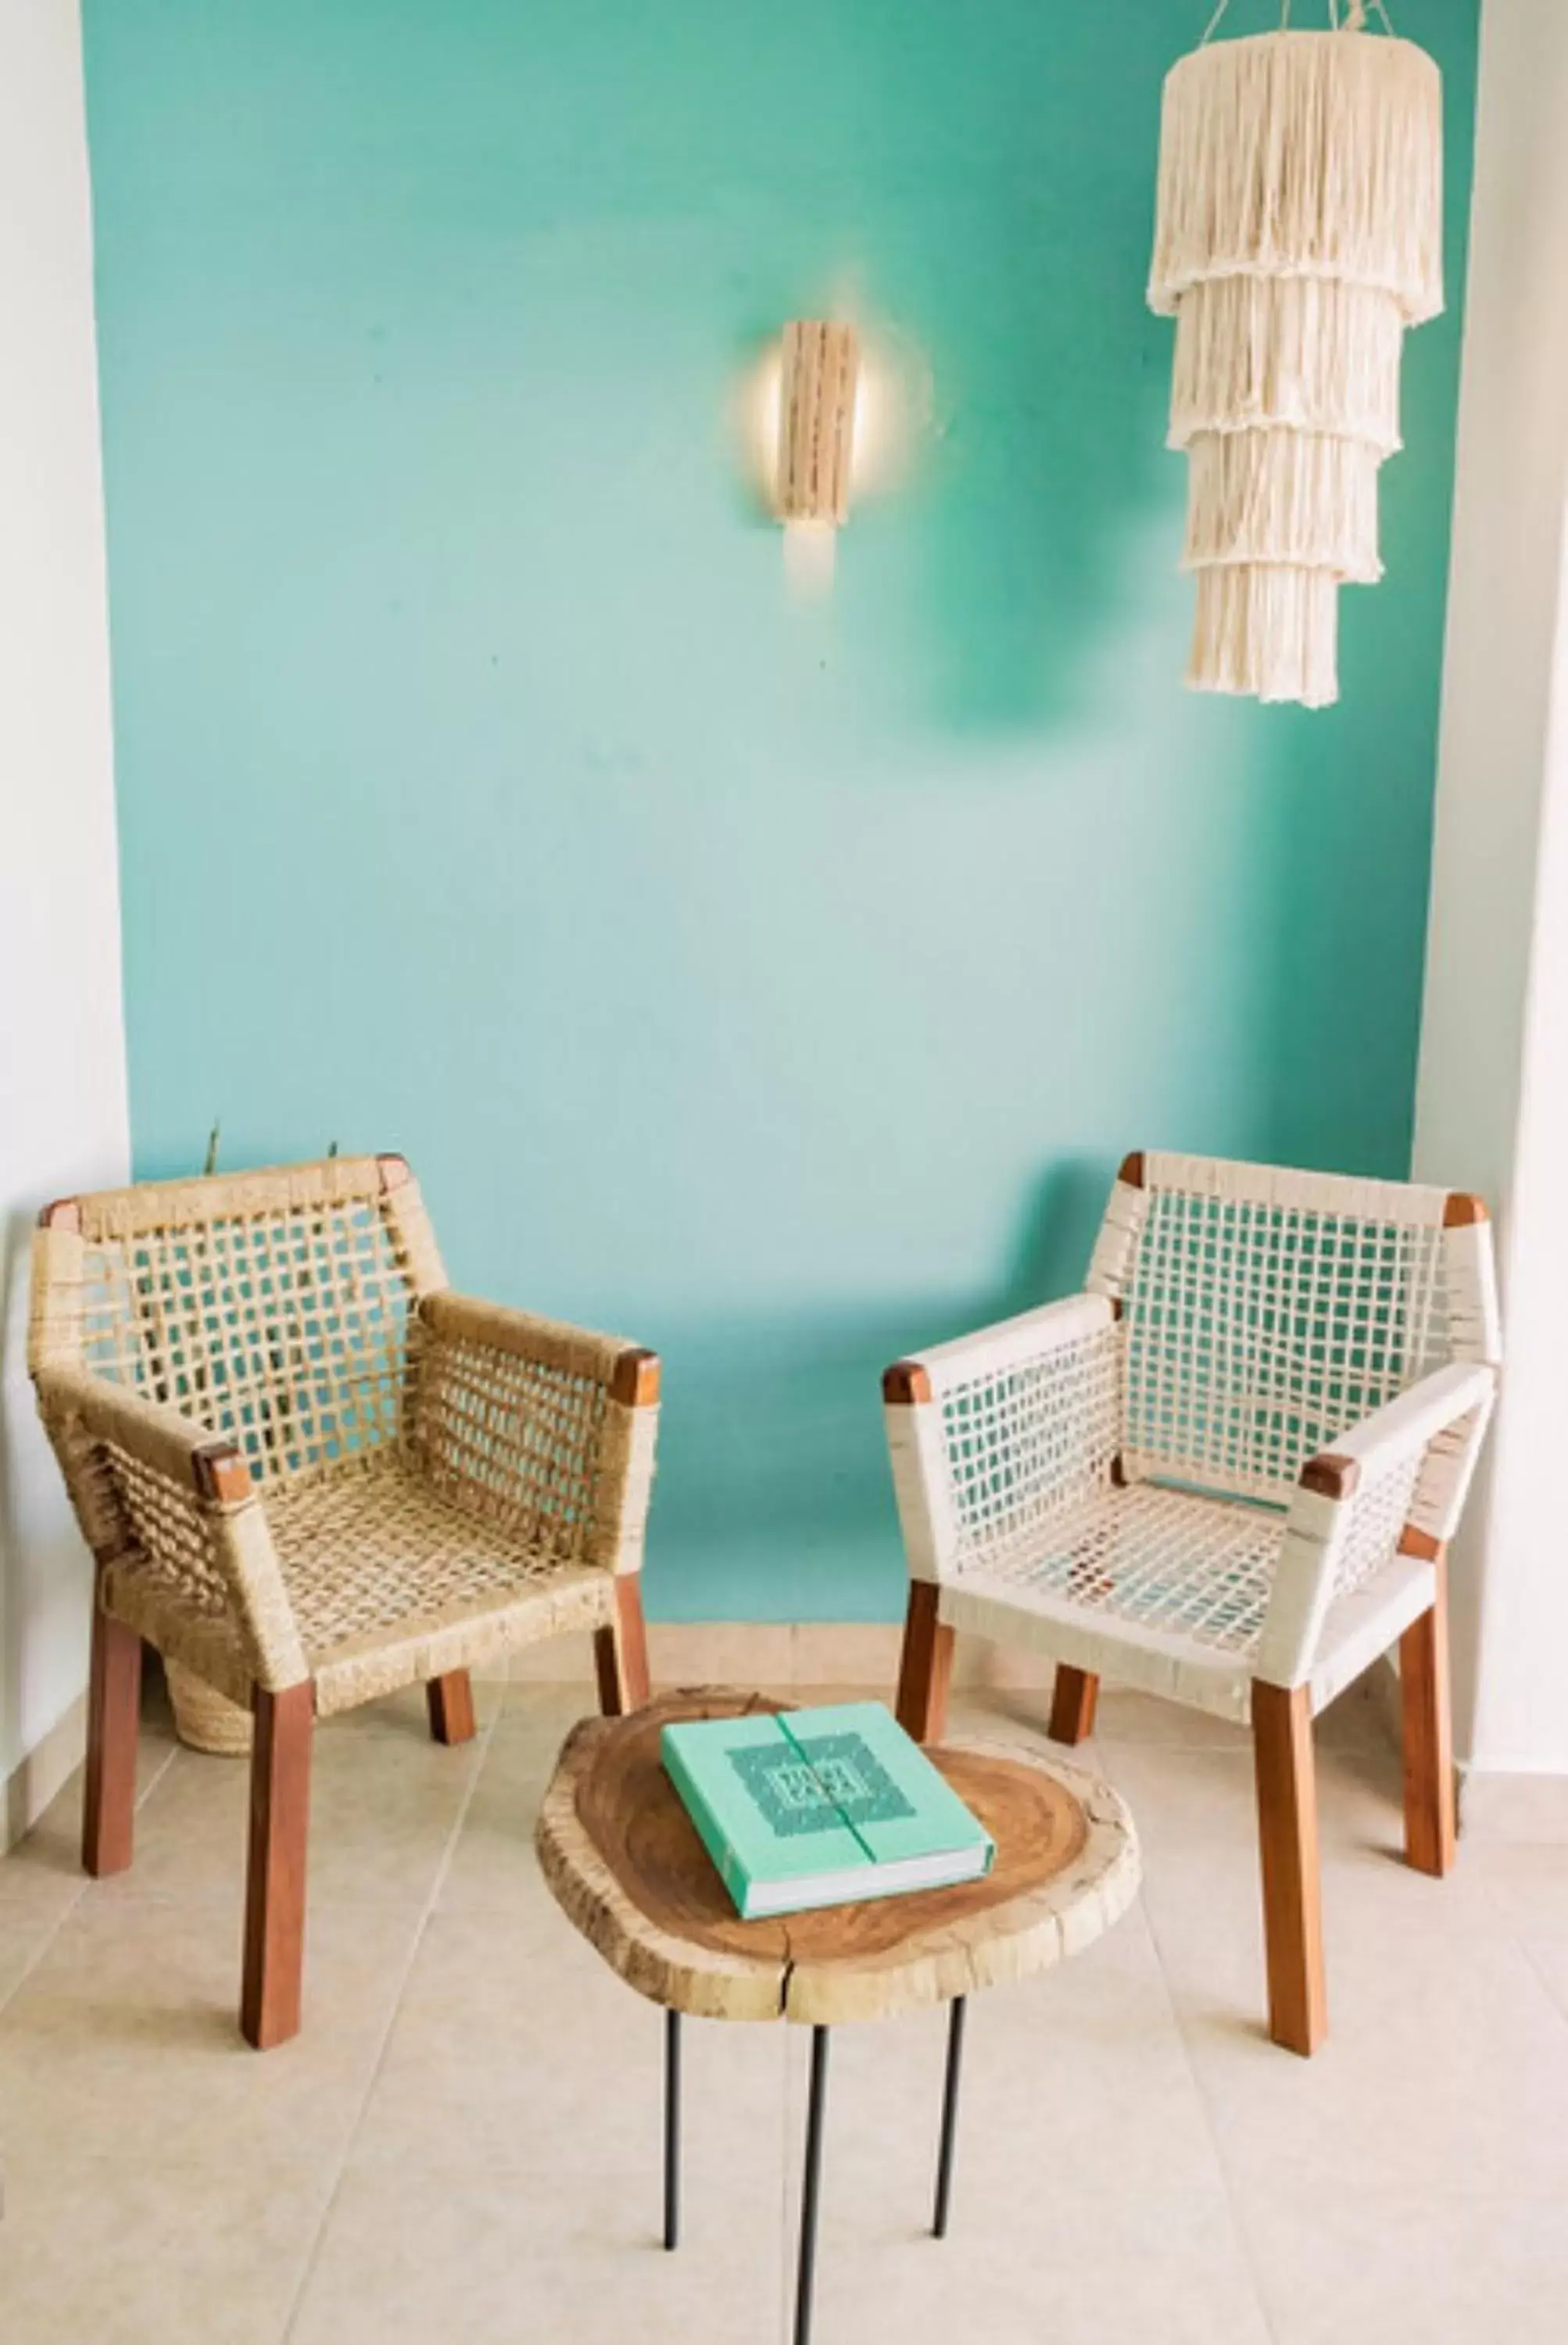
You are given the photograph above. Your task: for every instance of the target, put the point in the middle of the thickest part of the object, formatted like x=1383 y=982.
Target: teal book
x=821 y=1807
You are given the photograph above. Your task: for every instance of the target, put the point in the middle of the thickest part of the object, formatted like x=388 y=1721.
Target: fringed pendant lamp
x=1298 y=233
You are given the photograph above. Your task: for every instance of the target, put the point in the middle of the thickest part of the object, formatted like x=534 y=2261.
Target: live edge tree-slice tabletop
x=624 y=1861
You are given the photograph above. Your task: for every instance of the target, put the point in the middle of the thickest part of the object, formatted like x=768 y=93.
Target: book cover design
x=814 y=1783
x=822 y=1807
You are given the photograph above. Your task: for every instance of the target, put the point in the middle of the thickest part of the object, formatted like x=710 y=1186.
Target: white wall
x=1492 y=1098
x=62 y=1062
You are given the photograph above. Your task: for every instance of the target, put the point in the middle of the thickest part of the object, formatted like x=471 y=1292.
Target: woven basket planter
x=204 y=1719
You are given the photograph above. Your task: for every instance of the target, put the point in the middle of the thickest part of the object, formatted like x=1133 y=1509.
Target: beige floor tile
x=116 y=2250
x=1446 y=2065
x=1548 y=1957
x=492 y=1868
x=483 y=2098
x=1373 y=2267
x=384 y=1802
x=1043 y=2256
x=1521 y=1811
x=537 y=2055
x=1527 y=1886
x=1359 y=1720
x=41 y=1878
x=54 y=1846
x=419 y=2254
x=31 y=1911
x=122 y=2040
x=1084 y=2067
x=1196 y=1812
x=556 y=1660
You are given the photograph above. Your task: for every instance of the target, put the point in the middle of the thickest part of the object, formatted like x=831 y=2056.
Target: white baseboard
x=29 y=1787
x=1494 y=1804
x=1523 y=1809
x=785 y=1654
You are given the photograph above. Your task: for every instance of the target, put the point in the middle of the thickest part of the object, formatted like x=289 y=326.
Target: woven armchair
x=1227 y=1473
x=310 y=1474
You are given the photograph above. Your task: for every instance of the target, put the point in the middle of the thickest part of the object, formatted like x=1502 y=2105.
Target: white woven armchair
x=310 y=1474
x=1227 y=1473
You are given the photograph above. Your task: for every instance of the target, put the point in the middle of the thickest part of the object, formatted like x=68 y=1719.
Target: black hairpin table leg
x=810 y=2192
x=671 y=2127
x=949 y=2119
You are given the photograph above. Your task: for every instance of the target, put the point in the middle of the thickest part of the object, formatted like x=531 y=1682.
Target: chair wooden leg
x=450 y=1701
x=1073 y=1701
x=1292 y=1889
x=621 y=1651
x=1428 y=1739
x=114 y=1712
x=925 y=1666
x=275 y=1885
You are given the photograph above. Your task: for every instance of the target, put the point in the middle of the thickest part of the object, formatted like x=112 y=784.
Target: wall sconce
x=820 y=368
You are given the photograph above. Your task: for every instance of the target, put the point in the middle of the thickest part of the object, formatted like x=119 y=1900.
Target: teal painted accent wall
x=777 y=984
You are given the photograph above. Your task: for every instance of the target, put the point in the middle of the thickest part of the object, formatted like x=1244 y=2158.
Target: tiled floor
x=465 y=2141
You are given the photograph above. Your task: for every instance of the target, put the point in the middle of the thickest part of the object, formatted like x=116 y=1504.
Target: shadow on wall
x=773 y=1499
x=1020 y=273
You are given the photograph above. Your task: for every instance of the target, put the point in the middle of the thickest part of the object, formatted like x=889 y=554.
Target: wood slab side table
x=624 y=1861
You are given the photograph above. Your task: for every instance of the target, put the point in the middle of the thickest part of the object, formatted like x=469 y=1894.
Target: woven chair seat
x=1233 y=1456
x=379 y=1564
x=1224 y=1475
x=299 y=1455
x=311 y=1475
x=1195 y=1567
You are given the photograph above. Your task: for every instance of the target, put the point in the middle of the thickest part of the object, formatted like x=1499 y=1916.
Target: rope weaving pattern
x=284 y=1331
x=1256 y=1333
x=510 y=1441
x=1122 y=1473
x=1380 y=1510
x=370 y=1547
x=1194 y=1568
x=432 y=1482
x=1026 y=1442
x=174 y=1532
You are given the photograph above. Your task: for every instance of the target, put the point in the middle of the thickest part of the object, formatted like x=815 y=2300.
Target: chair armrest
x=162 y=1438
x=532 y=1422
x=158 y=1494
x=992 y=1433
x=1007 y=1344
x=1396 y=1481
x=626 y=1370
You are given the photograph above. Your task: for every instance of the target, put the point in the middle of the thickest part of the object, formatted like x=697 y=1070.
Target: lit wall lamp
x=820 y=369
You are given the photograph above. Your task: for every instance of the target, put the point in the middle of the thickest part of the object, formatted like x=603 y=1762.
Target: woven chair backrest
x=273 y=1306
x=1267 y=1311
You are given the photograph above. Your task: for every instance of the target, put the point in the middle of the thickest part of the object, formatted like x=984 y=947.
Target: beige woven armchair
x=1227 y=1474
x=311 y=1474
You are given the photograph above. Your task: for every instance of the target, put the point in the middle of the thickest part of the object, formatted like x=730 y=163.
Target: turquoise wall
x=776 y=983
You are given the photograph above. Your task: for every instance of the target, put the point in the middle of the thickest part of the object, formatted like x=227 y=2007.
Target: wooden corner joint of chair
x=1130 y=1172
x=221 y=1474
x=635 y=1379
x=65 y=1213
x=906 y=1384
x=1331 y=1475
x=394 y=1172
x=1462 y=1210
x=1414 y=1541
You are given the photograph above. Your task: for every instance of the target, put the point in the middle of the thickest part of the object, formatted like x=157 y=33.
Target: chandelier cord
x=1353 y=21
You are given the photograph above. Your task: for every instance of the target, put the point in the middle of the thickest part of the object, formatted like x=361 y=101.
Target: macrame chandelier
x=1298 y=233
